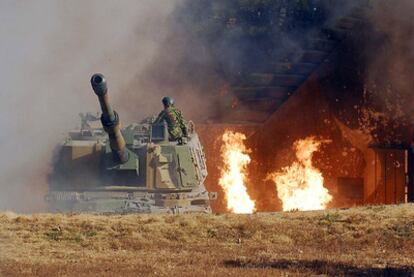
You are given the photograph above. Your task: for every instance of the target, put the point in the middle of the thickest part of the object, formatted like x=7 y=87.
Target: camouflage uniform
x=175 y=122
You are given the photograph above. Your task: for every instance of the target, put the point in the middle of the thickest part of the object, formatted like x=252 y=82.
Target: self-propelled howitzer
x=110 y=169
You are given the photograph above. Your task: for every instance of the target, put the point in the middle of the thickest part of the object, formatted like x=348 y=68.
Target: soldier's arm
x=180 y=117
x=182 y=123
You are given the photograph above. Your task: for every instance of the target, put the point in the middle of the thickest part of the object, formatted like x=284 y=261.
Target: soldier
x=174 y=118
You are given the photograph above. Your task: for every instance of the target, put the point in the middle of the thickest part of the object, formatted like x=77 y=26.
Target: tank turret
x=110 y=119
x=132 y=169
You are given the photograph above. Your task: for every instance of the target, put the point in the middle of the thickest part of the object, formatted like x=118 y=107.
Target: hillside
x=364 y=241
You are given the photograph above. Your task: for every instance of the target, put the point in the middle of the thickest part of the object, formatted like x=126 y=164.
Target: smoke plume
x=374 y=82
x=48 y=52
x=390 y=72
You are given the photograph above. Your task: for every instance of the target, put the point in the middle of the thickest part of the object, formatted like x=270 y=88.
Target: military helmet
x=168 y=101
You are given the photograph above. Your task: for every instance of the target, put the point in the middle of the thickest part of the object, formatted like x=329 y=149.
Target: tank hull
x=130 y=200
x=136 y=169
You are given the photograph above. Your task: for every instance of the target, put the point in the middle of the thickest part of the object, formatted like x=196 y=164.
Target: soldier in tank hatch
x=175 y=120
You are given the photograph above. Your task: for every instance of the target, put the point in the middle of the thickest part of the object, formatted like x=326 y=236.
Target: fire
x=233 y=174
x=301 y=185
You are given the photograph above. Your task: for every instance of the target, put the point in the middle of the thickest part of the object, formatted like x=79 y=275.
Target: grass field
x=367 y=241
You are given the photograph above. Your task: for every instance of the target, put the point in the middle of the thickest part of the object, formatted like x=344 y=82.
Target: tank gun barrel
x=109 y=119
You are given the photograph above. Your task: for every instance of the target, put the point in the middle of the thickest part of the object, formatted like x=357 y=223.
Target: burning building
x=289 y=108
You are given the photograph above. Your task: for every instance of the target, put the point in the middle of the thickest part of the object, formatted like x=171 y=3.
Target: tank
x=136 y=169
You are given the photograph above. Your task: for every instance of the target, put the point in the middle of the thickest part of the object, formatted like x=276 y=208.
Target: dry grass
x=370 y=241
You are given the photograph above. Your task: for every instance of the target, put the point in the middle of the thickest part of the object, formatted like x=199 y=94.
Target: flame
x=233 y=174
x=301 y=185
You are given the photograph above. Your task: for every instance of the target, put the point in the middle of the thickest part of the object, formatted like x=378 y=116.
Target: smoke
x=215 y=45
x=370 y=88
x=384 y=56
x=48 y=52
x=390 y=71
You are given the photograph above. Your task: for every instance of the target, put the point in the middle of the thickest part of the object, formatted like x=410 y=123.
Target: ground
x=361 y=241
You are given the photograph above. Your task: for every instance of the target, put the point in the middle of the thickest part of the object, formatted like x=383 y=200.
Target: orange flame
x=233 y=174
x=301 y=185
